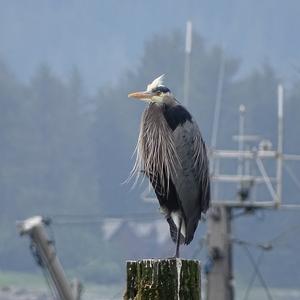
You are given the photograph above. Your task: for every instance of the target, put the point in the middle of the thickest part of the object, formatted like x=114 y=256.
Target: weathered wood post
x=163 y=279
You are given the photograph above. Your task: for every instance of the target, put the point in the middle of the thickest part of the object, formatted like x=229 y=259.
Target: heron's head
x=155 y=91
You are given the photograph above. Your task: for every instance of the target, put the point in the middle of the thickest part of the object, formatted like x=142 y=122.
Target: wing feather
x=192 y=178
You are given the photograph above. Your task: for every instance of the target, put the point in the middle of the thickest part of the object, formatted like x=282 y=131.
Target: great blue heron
x=172 y=154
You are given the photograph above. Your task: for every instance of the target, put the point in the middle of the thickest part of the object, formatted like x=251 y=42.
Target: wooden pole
x=46 y=255
x=158 y=279
x=220 y=277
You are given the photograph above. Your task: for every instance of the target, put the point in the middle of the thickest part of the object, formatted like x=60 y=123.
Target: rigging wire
x=257 y=271
x=48 y=280
x=263 y=247
x=283 y=234
x=38 y=257
x=254 y=274
x=48 y=223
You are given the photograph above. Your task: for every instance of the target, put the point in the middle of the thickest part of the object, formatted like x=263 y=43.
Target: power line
x=105 y=216
x=262 y=246
x=81 y=219
x=283 y=234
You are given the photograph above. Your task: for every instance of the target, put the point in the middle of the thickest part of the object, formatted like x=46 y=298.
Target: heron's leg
x=178 y=238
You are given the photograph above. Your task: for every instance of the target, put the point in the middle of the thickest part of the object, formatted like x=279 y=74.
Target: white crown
x=156 y=82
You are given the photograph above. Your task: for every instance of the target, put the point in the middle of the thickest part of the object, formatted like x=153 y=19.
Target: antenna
x=241 y=138
x=215 y=163
x=217 y=111
x=187 y=66
x=280 y=95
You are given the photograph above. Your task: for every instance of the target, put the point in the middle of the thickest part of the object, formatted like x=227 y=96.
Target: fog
x=68 y=130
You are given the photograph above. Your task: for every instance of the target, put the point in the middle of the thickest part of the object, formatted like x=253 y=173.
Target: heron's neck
x=169 y=100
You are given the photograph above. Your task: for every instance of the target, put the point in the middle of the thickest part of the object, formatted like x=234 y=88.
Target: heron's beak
x=141 y=95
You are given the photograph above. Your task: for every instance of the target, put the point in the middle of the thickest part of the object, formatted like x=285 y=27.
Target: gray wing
x=192 y=176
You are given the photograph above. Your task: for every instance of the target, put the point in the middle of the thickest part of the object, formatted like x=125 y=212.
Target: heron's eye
x=158 y=93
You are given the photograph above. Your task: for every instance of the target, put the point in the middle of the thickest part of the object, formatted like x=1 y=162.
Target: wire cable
x=265 y=246
x=277 y=239
x=38 y=257
x=254 y=274
x=257 y=271
x=87 y=219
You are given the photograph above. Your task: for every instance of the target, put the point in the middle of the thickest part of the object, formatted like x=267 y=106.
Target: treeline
x=64 y=151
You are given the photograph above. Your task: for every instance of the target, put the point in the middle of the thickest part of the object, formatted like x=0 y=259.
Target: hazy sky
x=102 y=38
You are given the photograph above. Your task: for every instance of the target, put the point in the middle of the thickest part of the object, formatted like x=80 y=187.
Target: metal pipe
x=280 y=92
x=237 y=178
x=245 y=154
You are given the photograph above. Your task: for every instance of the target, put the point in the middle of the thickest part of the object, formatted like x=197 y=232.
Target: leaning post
x=158 y=279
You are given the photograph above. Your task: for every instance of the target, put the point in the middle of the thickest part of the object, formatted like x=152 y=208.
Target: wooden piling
x=163 y=279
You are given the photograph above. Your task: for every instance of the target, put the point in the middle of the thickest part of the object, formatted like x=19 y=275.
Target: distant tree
x=65 y=152
x=257 y=91
x=46 y=166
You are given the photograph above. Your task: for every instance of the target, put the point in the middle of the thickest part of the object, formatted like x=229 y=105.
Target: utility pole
x=219 y=279
x=219 y=283
x=45 y=254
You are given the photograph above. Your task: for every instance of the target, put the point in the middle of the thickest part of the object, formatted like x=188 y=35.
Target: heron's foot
x=173 y=257
x=176 y=255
